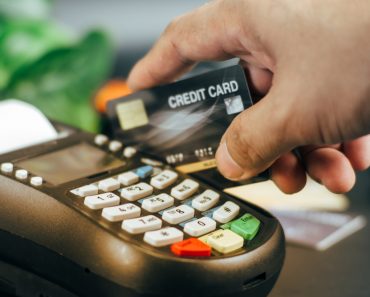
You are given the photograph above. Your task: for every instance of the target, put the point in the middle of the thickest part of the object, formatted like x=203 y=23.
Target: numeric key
x=141 y=225
x=185 y=189
x=121 y=212
x=178 y=214
x=200 y=226
x=135 y=192
x=158 y=203
x=206 y=200
x=164 y=179
x=102 y=200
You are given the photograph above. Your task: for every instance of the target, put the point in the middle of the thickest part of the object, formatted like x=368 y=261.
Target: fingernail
x=226 y=164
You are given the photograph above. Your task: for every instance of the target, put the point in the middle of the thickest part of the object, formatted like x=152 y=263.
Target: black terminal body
x=52 y=245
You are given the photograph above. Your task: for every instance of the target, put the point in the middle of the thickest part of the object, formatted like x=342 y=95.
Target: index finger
x=197 y=36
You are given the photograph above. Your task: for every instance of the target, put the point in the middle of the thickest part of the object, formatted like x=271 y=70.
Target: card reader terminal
x=85 y=216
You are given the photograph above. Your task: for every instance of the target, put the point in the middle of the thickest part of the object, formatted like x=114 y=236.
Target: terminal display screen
x=71 y=163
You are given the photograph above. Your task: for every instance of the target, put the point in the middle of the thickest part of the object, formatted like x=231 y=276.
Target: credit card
x=182 y=123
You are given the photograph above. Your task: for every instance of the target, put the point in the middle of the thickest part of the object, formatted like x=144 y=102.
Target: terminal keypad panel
x=143 y=200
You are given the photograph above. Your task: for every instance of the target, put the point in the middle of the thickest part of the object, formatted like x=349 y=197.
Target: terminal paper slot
x=254 y=281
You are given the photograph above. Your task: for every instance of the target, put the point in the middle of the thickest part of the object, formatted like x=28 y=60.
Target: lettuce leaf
x=24 y=41
x=62 y=82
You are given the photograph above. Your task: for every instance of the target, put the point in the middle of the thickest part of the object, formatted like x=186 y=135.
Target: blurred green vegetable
x=22 y=42
x=61 y=81
x=45 y=65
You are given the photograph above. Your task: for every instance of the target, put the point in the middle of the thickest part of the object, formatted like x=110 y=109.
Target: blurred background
x=133 y=25
x=68 y=57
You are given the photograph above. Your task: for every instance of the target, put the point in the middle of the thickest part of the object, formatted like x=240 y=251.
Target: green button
x=226 y=226
x=247 y=226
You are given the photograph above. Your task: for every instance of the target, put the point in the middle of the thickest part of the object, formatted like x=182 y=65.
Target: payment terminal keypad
x=155 y=206
x=161 y=208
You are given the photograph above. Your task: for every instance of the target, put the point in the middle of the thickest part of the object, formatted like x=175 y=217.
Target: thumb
x=255 y=139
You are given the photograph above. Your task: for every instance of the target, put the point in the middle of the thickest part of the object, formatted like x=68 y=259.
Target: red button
x=191 y=247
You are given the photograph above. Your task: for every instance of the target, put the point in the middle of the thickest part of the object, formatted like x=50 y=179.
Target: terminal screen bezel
x=70 y=163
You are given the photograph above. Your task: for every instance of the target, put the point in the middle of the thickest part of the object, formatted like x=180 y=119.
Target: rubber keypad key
x=225 y=241
x=246 y=226
x=191 y=247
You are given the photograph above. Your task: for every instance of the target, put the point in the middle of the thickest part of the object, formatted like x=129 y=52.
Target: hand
x=310 y=60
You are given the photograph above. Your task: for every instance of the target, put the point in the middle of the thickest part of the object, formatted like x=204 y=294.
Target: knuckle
x=172 y=26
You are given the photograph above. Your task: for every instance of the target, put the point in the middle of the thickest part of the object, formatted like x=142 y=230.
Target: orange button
x=191 y=247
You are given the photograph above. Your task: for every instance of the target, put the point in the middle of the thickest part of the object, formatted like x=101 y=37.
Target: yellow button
x=204 y=238
x=223 y=241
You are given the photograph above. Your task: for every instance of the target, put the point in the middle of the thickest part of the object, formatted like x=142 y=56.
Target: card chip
x=132 y=114
x=234 y=104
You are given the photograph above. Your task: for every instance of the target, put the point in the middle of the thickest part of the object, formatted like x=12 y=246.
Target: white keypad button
x=128 y=178
x=164 y=179
x=178 y=214
x=121 y=212
x=100 y=139
x=102 y=200
x=163 y=237
x=84 y=191
x=135 y=192
x=226 y=212
x=115 y=146
x=36 y=181
x=109 y=184
x=158 y=203
x=129 y=152
x=7 y=167
x=21 y=174
x=200 y=226
x=206 y=200
x=185 y=189
x=141 y=225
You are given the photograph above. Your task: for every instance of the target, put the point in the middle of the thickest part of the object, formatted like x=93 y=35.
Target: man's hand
x=310 y=60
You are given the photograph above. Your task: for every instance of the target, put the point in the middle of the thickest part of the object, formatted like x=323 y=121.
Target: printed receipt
x=22 y=125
